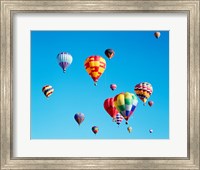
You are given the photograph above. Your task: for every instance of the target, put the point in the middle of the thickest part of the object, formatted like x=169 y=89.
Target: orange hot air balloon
x=95 y=66
x=157 y=34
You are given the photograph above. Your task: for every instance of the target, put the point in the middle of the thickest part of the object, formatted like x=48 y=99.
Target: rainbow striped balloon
x=95 y=66
x=143 y=91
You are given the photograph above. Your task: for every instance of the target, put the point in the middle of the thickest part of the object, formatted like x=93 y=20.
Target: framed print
x=100 y=84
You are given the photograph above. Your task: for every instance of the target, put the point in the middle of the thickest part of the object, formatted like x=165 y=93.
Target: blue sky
x=139 y=57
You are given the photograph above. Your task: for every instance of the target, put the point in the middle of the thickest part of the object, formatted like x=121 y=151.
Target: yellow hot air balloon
x=129 y=129
x=143 y=91
x=95 y=66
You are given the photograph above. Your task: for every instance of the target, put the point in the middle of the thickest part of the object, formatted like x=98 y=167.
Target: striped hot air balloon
x=64 y=60
x=95 y=66
x=143 y=91
x=119 y=118
x=126 y=104
x=47 y=90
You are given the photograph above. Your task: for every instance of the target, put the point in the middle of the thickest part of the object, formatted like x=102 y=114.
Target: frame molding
x=10 y=7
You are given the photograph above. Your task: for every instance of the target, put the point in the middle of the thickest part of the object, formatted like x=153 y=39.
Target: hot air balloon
x=119 y=118
x=129 y=129
x=95 y=66
x=64 y=60
x=125 y=103
x=109 y=53
x=79 y=117
x=47 y=90
x=157 y=34
x=150 y=103
x=150 y=130
x=113 y=86
x=110 y=108
x=95 y=129
x=143 y=91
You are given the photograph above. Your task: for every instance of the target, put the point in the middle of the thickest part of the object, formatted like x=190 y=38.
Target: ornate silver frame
x=10 y=7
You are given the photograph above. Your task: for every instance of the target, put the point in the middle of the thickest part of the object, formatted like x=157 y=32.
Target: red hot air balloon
x=95 y=129
x=110 y=108
x=150 y=103
x=113 y=86
x=79 y=117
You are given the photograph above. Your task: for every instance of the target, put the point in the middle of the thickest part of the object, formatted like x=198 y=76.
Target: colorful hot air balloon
x=119 y=118
x=125 y=103
x=110 y=108
x=129 y=129
x=47 y=90
x=150 y=103
x=143 y=91
x=95 y=129
x=95 y=66
x=64 y=60
x=109 y=53
x=157 y=34
x=113 y=86
x=79 y=117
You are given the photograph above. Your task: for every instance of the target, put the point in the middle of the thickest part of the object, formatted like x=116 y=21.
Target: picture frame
x=10 y=8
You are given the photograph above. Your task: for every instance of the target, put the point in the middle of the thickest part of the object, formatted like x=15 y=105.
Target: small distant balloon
x=150 y=130
x=129 y=129
x=109 y=53
x=79 y=117
x=113 y=86
x=119 y=118
x=64 y=60
x=47 y=90
x=150 y=103
x=95 y=129
x=157 y=34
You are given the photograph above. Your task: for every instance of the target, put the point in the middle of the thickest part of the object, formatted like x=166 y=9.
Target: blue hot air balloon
x=64 y=60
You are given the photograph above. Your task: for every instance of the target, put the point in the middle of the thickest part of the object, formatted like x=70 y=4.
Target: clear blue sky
x=139 y=57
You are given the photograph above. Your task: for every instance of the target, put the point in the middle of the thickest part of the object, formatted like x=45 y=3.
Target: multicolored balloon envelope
x=126 y=104
x=157 y=34
x=143 y=91
x=95 y=129
x=113 y=86
x=129 y=129
x=64 y=60
x=109 y=53
x=79 y=117
x=119 y=118
x=47 y=90
x=110 y=108
x=95 y=66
